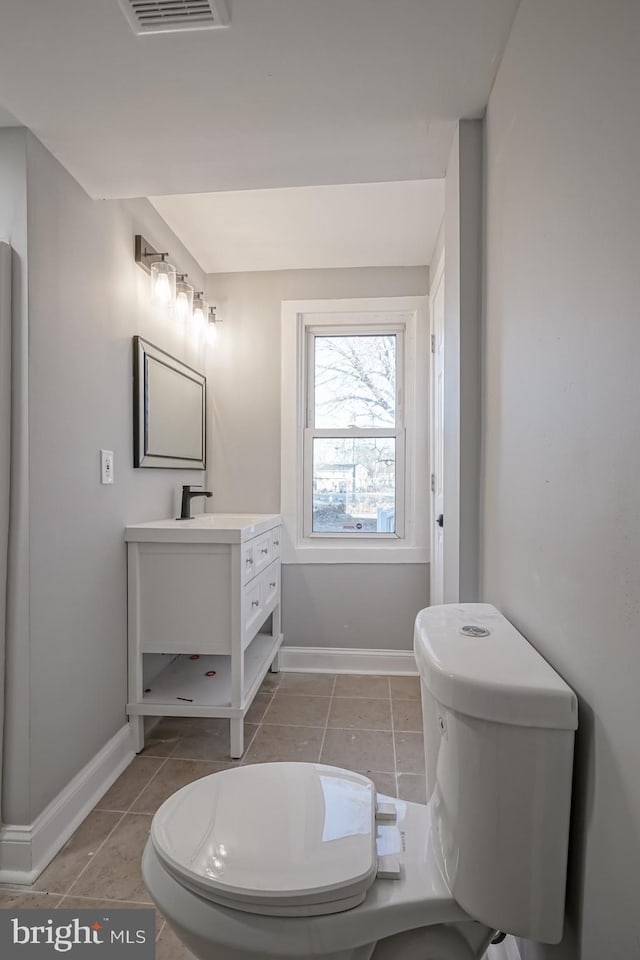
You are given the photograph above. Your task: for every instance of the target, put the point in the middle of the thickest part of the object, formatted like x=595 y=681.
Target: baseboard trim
x=347 y=660
x=26 y=849
x=507 y=950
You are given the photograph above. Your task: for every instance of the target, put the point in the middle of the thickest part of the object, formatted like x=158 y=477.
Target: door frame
x=438 y=279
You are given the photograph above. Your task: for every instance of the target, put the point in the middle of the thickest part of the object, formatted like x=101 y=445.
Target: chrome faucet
x=187 y=496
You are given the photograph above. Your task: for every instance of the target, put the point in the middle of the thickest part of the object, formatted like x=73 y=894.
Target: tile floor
x=369 y=724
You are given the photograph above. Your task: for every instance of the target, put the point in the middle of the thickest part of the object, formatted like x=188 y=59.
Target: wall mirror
x=168 y=410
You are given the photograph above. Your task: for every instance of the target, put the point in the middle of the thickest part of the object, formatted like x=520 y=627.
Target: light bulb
x=212 y=329
x=199 y=312
x=182 y=307
x=163 y=283
x=184 y=299
x=162 y=289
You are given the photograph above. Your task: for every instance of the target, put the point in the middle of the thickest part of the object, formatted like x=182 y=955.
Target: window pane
x=355 y=381
x=354 y=485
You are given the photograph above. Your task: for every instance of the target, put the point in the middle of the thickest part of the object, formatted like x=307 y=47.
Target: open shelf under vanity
x=174 y=683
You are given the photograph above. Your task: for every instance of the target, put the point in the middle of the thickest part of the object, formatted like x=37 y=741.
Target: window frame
x=410 y=542
x=360 y=327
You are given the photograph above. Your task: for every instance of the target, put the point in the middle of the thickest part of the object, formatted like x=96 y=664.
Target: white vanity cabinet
x=204 y=617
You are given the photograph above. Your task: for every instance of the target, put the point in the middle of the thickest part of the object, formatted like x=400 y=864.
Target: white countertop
x=204 y=528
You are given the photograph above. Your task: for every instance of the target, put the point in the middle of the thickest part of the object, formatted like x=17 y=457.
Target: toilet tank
x=499 y=729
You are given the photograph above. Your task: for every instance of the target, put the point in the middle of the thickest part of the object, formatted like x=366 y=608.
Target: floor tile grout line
x=102 y=809
x=25 y=891
x=319 y=726
x=326 y=696
x=341 y=696
x=113 y=900
x=94 y=855
x=258 y=725
x=272 y=694
x=245 y=752
x=326 y=726
x=393 y=741
x=149 y=781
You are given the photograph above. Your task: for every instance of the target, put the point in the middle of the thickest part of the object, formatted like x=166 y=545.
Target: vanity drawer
x=248 y=561
x=262 y=550
x=252 y=607
x=270 y=584
x=276 y=536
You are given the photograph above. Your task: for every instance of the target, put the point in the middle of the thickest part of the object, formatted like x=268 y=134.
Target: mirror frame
x=142 y=352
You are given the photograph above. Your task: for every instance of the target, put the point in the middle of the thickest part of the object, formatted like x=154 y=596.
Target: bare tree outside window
x=355 y=381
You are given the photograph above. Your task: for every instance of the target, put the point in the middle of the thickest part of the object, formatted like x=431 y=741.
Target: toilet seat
x=277 y=839
x=421 y=898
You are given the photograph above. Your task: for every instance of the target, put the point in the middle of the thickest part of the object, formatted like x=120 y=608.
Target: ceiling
x=7 y=119
x=295 y=228
x=294 y=93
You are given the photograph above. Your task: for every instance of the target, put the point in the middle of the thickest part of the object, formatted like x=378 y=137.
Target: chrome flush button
x=471 y=631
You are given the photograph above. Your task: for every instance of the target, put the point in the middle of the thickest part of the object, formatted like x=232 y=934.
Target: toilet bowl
x=298 y=860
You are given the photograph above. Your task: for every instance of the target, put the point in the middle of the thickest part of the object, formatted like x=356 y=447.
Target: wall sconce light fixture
x=171 y=290
x=184 y=299
x=163 y=274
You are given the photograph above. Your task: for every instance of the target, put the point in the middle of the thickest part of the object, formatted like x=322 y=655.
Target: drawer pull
x=249 y=561
x=255 y=603
x=265 y=550
x=272 y=583
x=276 y=543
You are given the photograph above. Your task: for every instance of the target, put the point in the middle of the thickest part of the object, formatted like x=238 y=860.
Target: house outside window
x=354 y=430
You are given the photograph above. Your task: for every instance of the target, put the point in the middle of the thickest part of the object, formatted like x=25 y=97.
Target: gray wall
x=320 y=608
x=462 y=337
x=561 y=503
x=67 y=658
x=13 y=227
x=5 y=460
x=357 y=605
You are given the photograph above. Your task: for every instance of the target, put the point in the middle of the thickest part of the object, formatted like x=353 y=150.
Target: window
x=354 y=430
x=353 y=470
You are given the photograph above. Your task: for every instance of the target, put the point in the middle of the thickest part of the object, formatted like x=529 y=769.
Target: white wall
x=86 y=299
x=561 y=504
x=246 y=460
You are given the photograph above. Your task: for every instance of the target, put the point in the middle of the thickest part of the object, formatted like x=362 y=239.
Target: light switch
x=106 y=466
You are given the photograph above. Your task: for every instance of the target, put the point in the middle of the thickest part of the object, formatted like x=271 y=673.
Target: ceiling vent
x=172 y=16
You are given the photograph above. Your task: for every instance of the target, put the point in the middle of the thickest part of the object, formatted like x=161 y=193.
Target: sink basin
x=224 y=521
x=204 y=528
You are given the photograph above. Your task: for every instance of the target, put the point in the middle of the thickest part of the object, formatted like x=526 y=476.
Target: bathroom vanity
x=204 y=617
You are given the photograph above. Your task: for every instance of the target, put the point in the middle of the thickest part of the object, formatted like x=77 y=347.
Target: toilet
x=300 y=860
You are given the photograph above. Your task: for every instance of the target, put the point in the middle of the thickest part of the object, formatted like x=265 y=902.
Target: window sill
x=381 y=552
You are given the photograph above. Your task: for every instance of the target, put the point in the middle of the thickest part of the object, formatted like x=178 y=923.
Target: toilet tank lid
x=498 y=676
